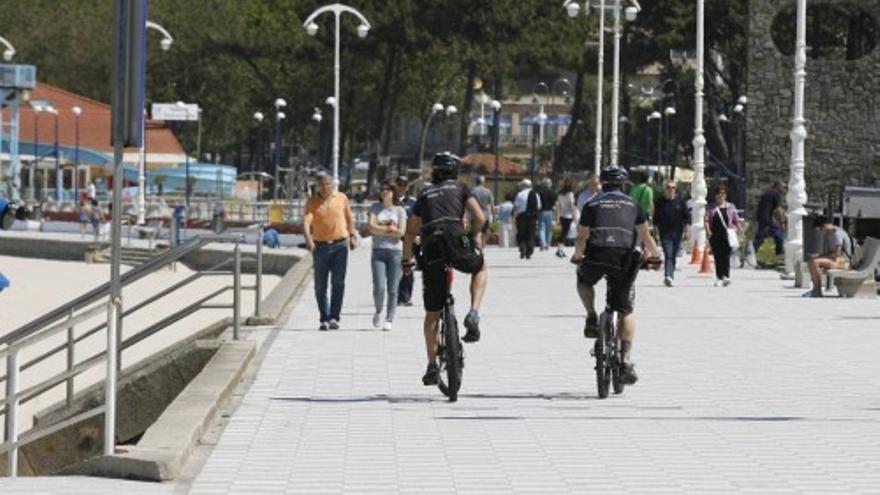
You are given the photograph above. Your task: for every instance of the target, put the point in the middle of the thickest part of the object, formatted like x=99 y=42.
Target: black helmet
x=446 y=162
x=613 y=176
x=445 y=166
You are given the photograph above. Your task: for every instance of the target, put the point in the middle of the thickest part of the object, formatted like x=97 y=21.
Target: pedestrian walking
x=96 y=216
x=486 y=200
x=545 y=215
x=567 y=210
x=83 y=217
x=770 y=216
x=387 y=220
x=643 y=193
x=407 y=280
x=590 y=191
x=526 y=206
x=329 y=230
x=505 y=220
x=723 y=228
x=91 y=191
x=672 y=219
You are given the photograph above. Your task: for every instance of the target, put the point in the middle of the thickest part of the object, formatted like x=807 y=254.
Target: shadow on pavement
x=367 y=398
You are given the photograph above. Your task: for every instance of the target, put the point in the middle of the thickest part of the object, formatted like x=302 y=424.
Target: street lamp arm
x=10 y=50
x=337 y=9
x=163 y=31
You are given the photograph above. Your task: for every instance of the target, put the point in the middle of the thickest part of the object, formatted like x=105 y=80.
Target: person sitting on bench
x=836 y=254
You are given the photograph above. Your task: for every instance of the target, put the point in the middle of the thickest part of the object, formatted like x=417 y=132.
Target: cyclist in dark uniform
x=438 y=218
x=606 y=248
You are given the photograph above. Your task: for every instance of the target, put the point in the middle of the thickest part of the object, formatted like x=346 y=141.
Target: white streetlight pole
x=699 y=183
x=165 y=44
x=9 y=52
x=542 y=117
x=600 y=80
x=631 y=13
x=797 y=187
x=337 y=9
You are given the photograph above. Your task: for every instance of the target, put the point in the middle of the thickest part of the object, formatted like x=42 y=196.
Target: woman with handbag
x=723 y=228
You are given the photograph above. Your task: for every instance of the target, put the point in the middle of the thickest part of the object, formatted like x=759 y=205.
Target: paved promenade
x=743 y=389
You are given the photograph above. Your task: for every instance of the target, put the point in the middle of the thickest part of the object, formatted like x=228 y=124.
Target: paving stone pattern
x=746 y=389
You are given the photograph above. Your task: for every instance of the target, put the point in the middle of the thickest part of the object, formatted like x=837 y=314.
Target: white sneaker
x=387 y=326
x=726 y=281
x=718 y=282
x=667 y=281
x=377 y=320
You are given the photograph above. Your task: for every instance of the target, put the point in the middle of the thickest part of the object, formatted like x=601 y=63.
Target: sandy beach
x=38 y=286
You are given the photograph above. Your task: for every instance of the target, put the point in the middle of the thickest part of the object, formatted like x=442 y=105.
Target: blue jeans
x=386 y=276
x=545 y=228
x=671 y=244
x=330 y=261
x=771 y=230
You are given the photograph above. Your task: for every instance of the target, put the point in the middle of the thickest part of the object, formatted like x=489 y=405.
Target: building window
x=838 y=31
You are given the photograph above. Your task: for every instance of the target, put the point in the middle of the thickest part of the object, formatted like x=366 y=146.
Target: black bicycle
x=609 y=355
x=450 y=353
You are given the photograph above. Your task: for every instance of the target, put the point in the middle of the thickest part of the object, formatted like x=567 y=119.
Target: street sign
x=18 y=76
x=175 y=112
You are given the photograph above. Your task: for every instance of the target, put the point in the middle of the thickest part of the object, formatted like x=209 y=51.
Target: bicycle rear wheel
x=600 y=349
x=451 y=359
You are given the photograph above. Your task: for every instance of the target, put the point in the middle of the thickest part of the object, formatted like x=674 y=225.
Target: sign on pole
x=175 y=112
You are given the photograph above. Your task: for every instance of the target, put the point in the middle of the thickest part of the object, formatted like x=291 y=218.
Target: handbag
x=732 y=236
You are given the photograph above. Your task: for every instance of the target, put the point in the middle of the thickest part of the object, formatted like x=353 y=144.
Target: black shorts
x=619 y=268
x=434 y=281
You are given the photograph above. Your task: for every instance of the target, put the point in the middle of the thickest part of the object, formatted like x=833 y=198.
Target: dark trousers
x=405 y=289
x=772 y=230
x=721 y=252
x=526 y=230
x=671 y=243
x=330 y=261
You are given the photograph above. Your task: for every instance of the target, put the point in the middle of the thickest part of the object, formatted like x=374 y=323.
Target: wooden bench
x=859 y=281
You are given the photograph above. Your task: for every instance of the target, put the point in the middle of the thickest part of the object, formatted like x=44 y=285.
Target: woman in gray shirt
x=388 y=225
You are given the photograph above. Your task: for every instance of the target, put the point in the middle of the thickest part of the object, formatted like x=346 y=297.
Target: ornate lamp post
x=165 y=44
x=573 y=9
x=59 y=179
x=631 y=13
x=338 y=10
x=797 y=187
x=276 y=157
x=699 y=184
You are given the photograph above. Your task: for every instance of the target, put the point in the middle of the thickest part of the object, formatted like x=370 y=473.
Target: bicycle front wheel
x=451 y=360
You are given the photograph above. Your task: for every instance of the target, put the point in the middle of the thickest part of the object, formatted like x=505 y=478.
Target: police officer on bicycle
x=438 y=219
x=606 y=248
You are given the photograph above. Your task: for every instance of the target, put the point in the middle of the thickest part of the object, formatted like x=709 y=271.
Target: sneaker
x=323 y=326
x=812 y=293
x=333 y=324
x=725 y=282
x=377 y=320
x=560 y=254
x=628 y=374
x=718 y=282
x=667 y=281
x=431 y=376
x=387 y=326
x=591 y=329
x=472 y=323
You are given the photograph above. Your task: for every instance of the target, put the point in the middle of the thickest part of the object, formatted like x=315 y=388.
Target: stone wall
x=842 y=111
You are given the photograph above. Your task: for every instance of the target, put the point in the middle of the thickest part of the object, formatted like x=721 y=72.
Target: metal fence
x=66 y=318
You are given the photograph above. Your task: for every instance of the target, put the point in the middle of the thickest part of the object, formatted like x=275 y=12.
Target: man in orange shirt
x=329 y=230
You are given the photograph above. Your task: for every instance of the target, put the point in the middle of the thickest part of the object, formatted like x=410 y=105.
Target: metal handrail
x=127 y=278
x=63 y=318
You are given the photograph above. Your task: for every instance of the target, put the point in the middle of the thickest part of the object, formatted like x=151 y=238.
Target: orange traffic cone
x=696 y=254
x=706 y=266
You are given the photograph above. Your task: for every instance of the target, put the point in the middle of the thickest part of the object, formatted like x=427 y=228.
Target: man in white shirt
x=594 y=187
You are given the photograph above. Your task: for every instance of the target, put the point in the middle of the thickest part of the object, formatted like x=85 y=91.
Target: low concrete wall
x=274 y=304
